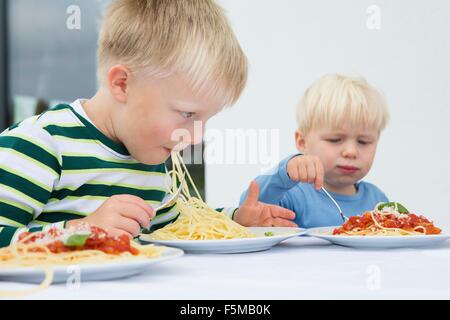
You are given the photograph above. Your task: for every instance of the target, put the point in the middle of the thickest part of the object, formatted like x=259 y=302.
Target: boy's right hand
x=120 y=214
x=307 y=169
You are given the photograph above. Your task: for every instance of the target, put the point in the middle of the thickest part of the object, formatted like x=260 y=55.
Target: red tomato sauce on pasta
x=98 y=240
x=410 y=222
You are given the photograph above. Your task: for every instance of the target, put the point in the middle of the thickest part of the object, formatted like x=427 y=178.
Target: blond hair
x=335 y=100
x=164 y=37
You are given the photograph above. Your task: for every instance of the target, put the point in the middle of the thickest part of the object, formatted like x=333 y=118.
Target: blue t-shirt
x=313 y=208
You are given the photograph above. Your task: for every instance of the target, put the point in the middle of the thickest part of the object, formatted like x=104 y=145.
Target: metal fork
x=336 y=204
x=171 y=201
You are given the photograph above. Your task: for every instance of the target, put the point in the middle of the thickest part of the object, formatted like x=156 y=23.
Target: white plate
x=378 y=242
x=89 y=272
x=233 y=245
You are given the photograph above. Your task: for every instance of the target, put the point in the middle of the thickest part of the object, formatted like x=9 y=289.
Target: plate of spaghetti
x=254 y=239
x=388 y=225
x=201 y=229
x=83 y=251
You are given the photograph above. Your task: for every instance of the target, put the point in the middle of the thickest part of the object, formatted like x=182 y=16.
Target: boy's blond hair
x=191 y=38
x=335 y=100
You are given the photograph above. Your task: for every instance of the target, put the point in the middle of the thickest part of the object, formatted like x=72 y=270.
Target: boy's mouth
x=347 y=169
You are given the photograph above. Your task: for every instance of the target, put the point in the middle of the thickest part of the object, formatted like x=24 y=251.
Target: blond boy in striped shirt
x=162 y=65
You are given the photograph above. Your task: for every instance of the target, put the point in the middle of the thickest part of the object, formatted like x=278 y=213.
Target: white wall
x=290 y=43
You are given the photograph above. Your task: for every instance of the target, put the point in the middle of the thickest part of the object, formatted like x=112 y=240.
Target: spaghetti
x=386 y=220
x=78 y=245
x=197 y=221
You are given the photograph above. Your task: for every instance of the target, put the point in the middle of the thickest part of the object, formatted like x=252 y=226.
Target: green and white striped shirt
x=58 y=166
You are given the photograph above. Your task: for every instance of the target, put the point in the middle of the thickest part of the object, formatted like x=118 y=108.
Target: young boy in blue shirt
x=340 y=119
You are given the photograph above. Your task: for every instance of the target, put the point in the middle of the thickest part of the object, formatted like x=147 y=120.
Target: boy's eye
x=333 y=140
x=363 y=142
x=187 y=115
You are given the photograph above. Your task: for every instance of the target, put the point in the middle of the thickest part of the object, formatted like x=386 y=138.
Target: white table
x=299 y=268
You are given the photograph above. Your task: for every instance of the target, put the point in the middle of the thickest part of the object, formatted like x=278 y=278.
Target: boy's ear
x=300 y=141
x=118 y=81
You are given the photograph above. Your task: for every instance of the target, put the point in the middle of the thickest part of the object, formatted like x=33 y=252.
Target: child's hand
x=253 y=213
x=308 y=169
x=120 y=214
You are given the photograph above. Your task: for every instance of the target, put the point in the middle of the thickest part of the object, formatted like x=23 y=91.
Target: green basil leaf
x=400 y=207
x=77 y=240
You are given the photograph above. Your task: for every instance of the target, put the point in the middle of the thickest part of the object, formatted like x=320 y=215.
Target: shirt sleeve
x=228 y=211
x=29 y=168
x=273 y=186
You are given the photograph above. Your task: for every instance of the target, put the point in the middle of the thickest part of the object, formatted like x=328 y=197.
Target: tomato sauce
x=98 y=240
x=408 y=223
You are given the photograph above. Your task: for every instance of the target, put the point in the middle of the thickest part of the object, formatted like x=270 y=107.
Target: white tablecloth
x=299 y=268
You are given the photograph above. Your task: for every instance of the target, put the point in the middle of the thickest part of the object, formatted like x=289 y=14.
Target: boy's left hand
x=253 y=213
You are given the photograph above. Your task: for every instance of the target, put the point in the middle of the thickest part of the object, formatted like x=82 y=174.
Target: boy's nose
x=350 y=151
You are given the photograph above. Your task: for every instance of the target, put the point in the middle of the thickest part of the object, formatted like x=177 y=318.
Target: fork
x=336 y=204
x=171 y=201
